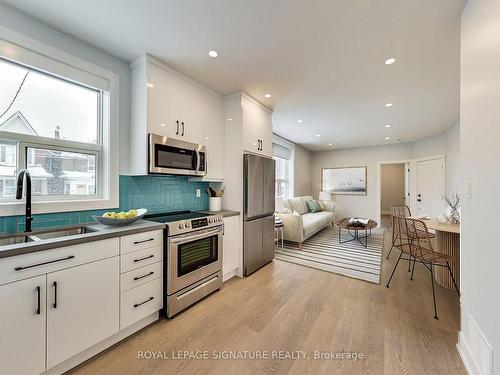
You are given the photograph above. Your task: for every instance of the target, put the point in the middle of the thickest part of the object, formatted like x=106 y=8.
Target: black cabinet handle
x=141 y=259
x=419 y=200
x=177 y=132
x=143 y=276
x=55 y=295
x=182 y=129
x=38 y=300
x=142 y=303
x=138 y=242
x=44 y=263
x=258 y=144
x=261 y=144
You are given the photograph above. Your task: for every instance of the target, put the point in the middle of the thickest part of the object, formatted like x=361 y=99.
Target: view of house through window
x=51 y=127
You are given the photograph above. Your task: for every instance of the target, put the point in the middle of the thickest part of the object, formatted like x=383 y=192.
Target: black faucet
x=23 y=173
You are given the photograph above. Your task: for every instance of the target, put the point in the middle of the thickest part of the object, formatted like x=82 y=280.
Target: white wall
x=392 y=186
x=446 y=144
x=480 y=156
x=302 y=172
x=21 y=23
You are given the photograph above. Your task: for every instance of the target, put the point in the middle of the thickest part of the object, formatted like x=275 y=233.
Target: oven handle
x=197 y=160
x=192 y=237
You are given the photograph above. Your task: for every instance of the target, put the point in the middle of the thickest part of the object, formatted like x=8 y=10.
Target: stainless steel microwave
x=173 y=156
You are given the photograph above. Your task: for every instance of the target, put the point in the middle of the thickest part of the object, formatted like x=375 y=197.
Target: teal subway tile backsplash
x=155 y=193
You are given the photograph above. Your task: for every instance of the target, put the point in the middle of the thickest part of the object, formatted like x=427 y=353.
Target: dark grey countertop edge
x=102 y=233
x=224 y=213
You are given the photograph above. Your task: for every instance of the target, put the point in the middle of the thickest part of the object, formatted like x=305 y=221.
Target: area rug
x=324 y=252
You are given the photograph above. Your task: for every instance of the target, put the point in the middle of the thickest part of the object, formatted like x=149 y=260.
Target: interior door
x=254 y=181
x=267 y=239
x=269 y=186
x=83 y=308
x=252 y=246
x=22 y=326
x=430 y=180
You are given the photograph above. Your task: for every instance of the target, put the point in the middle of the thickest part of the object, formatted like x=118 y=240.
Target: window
x=283 y=174
x=53 y=127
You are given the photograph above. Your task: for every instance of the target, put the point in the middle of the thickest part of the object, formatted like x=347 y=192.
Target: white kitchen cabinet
x=83 y=308
x=214 y=138
x=230 y=247
x=166 y=103
x=22 y=326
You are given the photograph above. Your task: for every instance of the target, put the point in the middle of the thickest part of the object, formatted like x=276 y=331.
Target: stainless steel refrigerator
x=258 y=212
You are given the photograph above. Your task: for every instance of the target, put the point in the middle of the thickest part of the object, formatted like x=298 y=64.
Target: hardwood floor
x=289 y=307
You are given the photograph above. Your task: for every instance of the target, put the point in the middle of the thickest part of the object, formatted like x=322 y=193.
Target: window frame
x=23 y=50
x=291 y=162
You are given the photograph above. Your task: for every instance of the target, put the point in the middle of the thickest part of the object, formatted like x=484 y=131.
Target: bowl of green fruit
x=116 y=219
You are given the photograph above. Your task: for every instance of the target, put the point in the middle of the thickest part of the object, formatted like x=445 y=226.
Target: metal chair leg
x=453 y=278
x=413 y=269
x=388 y=255
x=394 y=270
x=433 y=292
x=409 y=263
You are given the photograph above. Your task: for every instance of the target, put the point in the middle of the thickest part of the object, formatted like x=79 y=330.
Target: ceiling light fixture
x=318 y=135
x=330 y=144
x=162 y=125
x=387 y=126
x=213 y=53
x=300 y=121
x=150 y=85
x=387 y=138
x=390 y=61
x=267 y=95
x=229 y=119
x=388 y=105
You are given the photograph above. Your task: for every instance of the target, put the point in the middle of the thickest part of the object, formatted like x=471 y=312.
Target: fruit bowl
x=120 y=222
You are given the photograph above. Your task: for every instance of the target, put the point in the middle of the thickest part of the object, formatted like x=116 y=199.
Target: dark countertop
x=102 y=232
x=224 y=213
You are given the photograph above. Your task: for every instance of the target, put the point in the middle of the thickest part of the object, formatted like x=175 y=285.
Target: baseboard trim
x=100 y=347
x=229 y=275
x=466 y=355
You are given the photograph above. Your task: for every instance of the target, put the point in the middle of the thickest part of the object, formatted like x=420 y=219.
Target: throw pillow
x=314 y=206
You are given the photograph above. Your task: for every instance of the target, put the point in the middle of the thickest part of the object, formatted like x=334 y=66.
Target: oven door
x=173 y=156
x=193 y=256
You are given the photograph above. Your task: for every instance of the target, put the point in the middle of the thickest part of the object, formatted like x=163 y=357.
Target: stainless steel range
x=192 y=257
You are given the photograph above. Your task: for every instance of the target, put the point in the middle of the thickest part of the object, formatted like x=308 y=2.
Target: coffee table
x=354 y=230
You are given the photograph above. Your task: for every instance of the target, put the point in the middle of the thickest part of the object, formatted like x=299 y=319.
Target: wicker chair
x=414 y=241
x=397 y=210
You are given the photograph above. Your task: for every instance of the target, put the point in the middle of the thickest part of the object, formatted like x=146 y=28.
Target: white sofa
x=301 y=224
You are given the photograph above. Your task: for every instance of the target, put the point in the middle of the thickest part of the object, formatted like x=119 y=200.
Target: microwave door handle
x=197 y=160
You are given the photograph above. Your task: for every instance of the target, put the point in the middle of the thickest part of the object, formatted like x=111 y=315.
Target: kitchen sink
x=15 y=238
x=61 y=232
x=43 y=234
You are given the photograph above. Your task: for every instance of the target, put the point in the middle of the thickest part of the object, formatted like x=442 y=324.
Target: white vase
x=214 y=204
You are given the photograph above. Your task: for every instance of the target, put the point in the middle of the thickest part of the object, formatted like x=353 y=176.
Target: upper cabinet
x=251 y=124
x=166 y=103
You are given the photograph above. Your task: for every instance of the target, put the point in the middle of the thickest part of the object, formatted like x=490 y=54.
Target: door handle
x=55 y=295
x=138 y=242
x=182 y=129
x=177 y=132
x=141 y=259
x=143 y=276
x=38 y=300
x=20 y=268
x=146 y=301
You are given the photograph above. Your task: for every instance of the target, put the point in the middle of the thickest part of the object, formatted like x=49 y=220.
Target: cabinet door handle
x=55 y=295
x=43 y=263
x=177 y=132
x=37 y=300
x=146 y=301
x=258 y=144
x=143 y=276
x=138 y=242
x=182 y=129
x=141 y=259
x=261 y=144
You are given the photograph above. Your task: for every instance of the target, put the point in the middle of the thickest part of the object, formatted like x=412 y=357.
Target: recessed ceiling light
x=387 y=126
x=300 y=121
x=390 y=61
x=213 y=53
x=267 y=95
x=162 y=125
x=387 y=138
x=330 y=144
x=388 y=104
x=150 y=85
x=229 y=119
x=318 y=135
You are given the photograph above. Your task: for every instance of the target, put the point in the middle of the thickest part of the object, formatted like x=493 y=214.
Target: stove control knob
x=188 y=224
x=181 y=226
x=219 y=218
x=210 y=220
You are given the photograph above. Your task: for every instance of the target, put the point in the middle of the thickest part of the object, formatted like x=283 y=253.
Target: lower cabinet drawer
x=140 y=276
x=140 y=258
x=137 y=303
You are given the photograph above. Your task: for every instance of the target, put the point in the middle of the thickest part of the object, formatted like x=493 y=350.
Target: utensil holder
x=214 y=204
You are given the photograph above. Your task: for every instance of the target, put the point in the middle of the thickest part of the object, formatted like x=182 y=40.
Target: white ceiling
x=322 y=61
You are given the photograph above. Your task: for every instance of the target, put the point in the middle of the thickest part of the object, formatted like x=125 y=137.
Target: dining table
x=447 y=242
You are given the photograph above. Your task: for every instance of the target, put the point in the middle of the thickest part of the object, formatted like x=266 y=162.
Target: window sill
x=45 y=207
